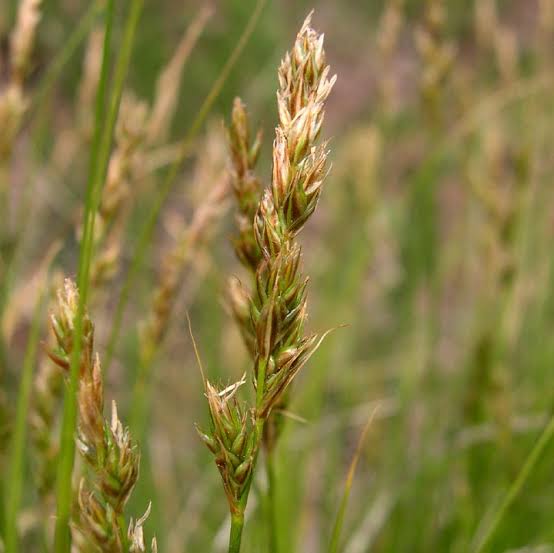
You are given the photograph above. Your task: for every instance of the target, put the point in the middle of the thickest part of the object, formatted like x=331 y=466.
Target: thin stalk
x=273 y=534
x=140 y=404
x=98 y=166
x=39 y=101
x=17 y=461
x=334 y=544
x=184 y=150
x=235 y=537
x=237 y=519
x=517 y=486
x=62 y=536
x=61 y=59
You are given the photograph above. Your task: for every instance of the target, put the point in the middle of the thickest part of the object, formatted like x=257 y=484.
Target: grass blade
x=98 y=167
x=17 y=461
x=62 y=537
x=516 y=487
x=339 y=520
x=165 y=189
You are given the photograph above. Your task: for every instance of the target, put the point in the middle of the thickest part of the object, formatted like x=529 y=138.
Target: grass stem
x=235 y=537
x=17 y=462
x=516 y=487
x=273 y=533
x=98 y=167
x=62 y=536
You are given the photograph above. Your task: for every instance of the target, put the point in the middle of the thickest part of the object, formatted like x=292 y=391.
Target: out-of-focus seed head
x=23 y=38
x=13 y=105
x=246 y=185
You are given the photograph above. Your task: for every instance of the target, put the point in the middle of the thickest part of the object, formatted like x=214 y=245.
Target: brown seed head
x=232 y=440
x=23 y=38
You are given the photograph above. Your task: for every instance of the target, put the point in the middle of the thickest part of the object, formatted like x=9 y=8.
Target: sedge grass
x=483 y=542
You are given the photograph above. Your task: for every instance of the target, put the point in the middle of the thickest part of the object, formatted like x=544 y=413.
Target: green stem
x=141 y=400
x=237 y=519
x=235 y=537
x=62 y=535
x=273 y=534
x=17 y=462
x=98 y=167
x=517 y=486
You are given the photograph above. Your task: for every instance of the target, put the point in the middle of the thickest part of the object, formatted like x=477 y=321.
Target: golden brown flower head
x=232 y=440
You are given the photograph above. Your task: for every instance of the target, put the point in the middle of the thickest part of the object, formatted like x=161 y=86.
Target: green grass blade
x=62 y=537
x=98 y=167
x=339 y=520
x=516 y=487
x=272 y=518
x=165 y=189
x=14 y=482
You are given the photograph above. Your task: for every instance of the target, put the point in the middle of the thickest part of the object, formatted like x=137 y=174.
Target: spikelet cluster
x=13 y=100
x=106 y=446
x=47 y=398
x=129 y=137
x=247 y=186
x=231 y=439
x=390 y=26
x=278 y=306
x=437 y=54
x=272 y=316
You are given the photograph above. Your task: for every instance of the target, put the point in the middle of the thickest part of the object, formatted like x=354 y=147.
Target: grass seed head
x=246 y=185
x=23 y=39
x=232 y=440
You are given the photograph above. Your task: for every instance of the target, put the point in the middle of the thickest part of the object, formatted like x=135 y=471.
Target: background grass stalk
x=272 y=509
x=334 y=542
x=517 y=486
x=184 y=150
x=17 y=462
x=62 y=537
x=41 y=100
x=98 y=167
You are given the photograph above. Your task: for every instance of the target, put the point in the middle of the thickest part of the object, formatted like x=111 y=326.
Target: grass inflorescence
x=149 y=182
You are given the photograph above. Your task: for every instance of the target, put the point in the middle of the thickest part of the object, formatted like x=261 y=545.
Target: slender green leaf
x=339 y=520
x=17 y=462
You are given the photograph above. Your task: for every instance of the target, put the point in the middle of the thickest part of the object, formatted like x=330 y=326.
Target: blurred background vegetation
x=431 y=244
